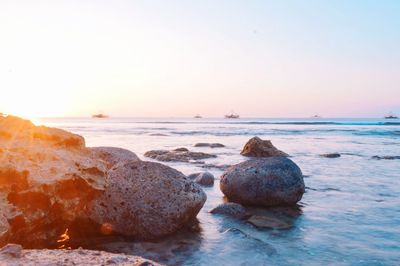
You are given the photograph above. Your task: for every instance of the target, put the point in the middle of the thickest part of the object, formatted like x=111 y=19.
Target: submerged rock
x=386 y=157
x=264 y=182
x=147 y=200
x=269 y=222
x=203 y=178
x=232 y=209
x=331 y=155
x=257 y=147
x=210 y=145
x=14 y=255
x=178 y=155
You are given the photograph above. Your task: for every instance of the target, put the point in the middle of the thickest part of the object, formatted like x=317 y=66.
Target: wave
x=304 y=123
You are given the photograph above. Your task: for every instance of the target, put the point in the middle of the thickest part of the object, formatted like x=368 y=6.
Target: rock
x=14 y=255
x=330 y=155
x=386 y=157
x=159 y=135
x=47 y=176
x=49 y=182
x=269 y=222
x=4 y=228
x=222 y=167
x=257 y=147
x=203 y=178
x=147 y=200
x=11 y=250
x=113 y=155
x=178 y=155
x=264 y=182
x=210 y=145
x=181 y=149
x=232 y=209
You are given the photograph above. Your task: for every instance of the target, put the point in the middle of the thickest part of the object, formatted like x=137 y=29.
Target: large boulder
x=264 y=182
x=257 y=147
x=49 y=180
x=147 y=200
x=15 y=255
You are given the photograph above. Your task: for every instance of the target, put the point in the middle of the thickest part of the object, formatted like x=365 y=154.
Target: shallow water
x=349 y=215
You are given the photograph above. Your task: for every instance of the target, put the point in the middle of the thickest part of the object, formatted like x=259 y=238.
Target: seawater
x=349 y=215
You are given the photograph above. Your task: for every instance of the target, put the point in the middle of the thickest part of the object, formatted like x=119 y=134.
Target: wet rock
x=147 y=200
x=222 y=167
x=386 y=157
x=264 y=182
x=159 y=135
x=113 y=155
x=210 y=145
x=14 y=255
x=331 y=155
x=203 y=178
x=257 y=147
x=269 y=222
x=232 y=209
x=178 y=155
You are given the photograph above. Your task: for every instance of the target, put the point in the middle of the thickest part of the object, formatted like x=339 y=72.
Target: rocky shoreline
x=53 y=188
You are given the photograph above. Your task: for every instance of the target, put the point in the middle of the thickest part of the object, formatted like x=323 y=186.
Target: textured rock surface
x=113 y=155
x=14 y=255
x=147 y=200
x=178 y=155
x=210 y=145
x=230 y=209
x=203 y=178
x=331 y=155
x=257 y=147
x=264 y=181
x=46 y=178
x=49 y=179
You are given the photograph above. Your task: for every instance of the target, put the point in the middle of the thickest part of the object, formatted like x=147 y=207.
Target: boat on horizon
x=316 y=116
x=232 y=115
x=197 y=116
x=391 y=116
x=100 y=116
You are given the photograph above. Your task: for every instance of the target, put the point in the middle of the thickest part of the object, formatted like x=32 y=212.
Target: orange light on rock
x=106 y=229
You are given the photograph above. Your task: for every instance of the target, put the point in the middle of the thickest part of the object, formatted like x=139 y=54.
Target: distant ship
x=316 y=116
x=100 y=116
x=197 y=116
x=232 y=115
x=391 y=116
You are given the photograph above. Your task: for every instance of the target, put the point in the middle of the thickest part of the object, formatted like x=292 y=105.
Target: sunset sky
x=179 y=58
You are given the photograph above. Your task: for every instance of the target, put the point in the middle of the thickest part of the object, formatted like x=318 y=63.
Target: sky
x=171 y=58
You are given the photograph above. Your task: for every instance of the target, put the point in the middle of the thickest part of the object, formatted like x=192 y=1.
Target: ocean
x=349 y=215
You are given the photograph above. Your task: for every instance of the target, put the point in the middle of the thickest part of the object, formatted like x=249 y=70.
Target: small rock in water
x=232 y=209
x=210 y=145
x=331 y=155
x=264 y=182
x=178 y=155
x=257 y=147
x=386 y=157
x=269 y=222
x=203 y=178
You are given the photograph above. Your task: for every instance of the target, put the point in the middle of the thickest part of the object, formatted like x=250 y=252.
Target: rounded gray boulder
x=264 y=182
x=147 y=200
